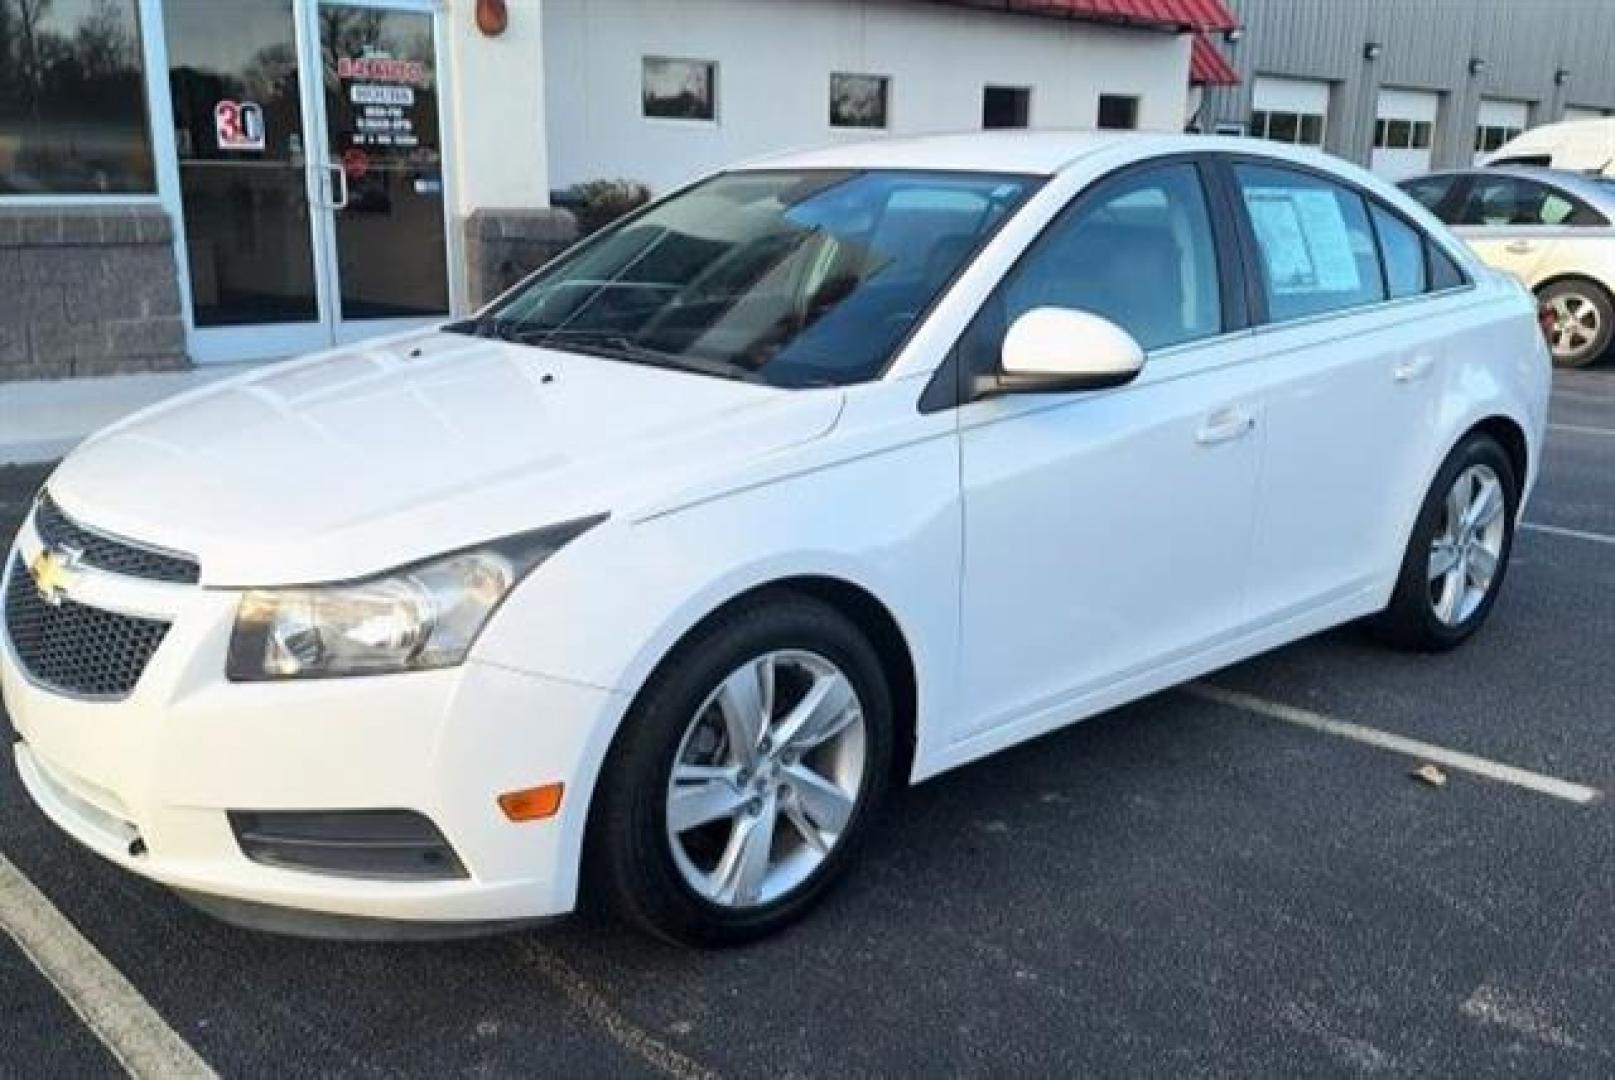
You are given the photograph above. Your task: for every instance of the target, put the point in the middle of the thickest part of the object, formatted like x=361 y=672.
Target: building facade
x=1404 y=86
x=191 y=181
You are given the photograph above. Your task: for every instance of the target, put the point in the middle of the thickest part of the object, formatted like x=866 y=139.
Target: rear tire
x=684 y=869
x=1584 y=321
x=1458 y=554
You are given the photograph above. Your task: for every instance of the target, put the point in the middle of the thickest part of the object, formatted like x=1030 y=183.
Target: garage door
x=1289 y=110
x=1404 y=129
x=1498 y=122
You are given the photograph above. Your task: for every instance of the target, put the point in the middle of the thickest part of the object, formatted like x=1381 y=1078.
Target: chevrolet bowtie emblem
x=53 y=571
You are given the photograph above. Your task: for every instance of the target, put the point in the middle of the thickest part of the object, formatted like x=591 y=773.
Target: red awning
x=1208 y=66
x=1209 y=15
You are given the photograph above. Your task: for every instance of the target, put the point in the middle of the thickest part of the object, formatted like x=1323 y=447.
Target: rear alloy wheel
x=745 y=776
x=1583 y=321
x=1458 y=554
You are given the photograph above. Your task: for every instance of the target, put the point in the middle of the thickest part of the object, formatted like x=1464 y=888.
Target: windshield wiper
x=488 y=326
x=613 y=344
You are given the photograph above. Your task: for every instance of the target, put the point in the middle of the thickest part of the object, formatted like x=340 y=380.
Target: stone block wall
x=88 y=291
x=504 y=246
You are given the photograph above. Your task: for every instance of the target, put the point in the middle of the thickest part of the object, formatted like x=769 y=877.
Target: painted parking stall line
x=1582 y=429
x=107 y=1002
x=1399 y=744
x=1574 y=534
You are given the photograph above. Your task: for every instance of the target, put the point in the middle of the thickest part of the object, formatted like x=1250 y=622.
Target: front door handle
x=1413 y=368
x=1225 y=425
x=1520 y=247
x=337 y=199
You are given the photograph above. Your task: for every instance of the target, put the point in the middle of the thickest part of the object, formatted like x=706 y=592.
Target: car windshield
x=793 y=279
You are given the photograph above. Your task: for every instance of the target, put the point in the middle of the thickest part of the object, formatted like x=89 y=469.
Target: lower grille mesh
x=78 y=649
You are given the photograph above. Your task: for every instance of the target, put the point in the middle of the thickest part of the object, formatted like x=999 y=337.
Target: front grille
x=74 y=648
x=109 y=553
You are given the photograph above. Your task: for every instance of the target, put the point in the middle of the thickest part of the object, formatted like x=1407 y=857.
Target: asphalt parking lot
x=1184 y=886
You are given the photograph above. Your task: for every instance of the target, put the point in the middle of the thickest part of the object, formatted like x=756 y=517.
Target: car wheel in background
x=1458 y=554
x=1583 y=321
x=745 y=776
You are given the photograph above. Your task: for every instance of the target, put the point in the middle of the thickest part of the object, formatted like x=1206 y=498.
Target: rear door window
x=1511 y=201
x=1315 y=246
x=1431 y=192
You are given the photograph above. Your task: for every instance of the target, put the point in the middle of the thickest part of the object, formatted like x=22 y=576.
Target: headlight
x=418 y=617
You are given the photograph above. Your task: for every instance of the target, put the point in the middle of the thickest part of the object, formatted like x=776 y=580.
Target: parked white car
x=1580 y=145
x=825 y=474
x=1551 y=229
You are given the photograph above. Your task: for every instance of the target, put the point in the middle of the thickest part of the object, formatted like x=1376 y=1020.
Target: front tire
x=744 y=778
x=1583 y=321
x=1458 y=554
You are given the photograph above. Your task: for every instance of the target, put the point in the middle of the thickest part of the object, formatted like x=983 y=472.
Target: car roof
x=1038 y=153
x=1586 y=187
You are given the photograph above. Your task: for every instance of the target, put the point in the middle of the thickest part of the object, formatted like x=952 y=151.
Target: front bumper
x=147 y=782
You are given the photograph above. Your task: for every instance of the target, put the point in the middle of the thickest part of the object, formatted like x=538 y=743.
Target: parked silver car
x=1549 y=227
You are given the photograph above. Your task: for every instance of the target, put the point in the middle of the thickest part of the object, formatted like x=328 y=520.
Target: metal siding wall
x=1427 y=45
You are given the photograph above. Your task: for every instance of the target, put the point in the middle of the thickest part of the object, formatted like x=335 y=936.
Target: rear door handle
x=1520 y=247
x=1413 y=368
x=1225 y=425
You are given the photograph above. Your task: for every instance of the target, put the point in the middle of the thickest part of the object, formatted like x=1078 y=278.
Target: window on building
x=679 y=89
x=1492 y=136
x=859 y=101
x=1402 y=248
x=1302 y=129
x=73 y=117
x=1006 y=107
x=1151 y=225
x=1119 y=111
x=1318 y=249
x=1403 y=134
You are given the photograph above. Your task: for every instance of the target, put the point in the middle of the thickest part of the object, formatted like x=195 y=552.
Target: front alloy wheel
x=766 y=778
x=741 y=782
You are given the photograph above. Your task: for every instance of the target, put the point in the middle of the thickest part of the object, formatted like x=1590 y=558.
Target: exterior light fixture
x=1476 y=65
x=1372 y=50
x=1233 y=35
x=492 y=17
x=1561 y=77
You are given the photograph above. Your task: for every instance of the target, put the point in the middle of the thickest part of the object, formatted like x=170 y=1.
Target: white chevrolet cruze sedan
x=825 y=474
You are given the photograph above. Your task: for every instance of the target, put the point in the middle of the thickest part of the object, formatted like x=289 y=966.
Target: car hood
x=355 y=461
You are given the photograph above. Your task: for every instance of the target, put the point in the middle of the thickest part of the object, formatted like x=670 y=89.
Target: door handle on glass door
x=1225 y=425
x=1413 y=368
x=339 y=200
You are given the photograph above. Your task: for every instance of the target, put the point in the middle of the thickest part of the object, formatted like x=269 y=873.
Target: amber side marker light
x=532 y=804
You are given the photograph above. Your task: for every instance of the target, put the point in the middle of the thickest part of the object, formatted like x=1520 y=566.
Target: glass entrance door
x=383 y=151
x=241 y=136
x=311 y=171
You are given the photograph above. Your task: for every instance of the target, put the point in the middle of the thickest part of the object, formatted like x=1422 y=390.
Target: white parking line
x=1385 y=740
x=1582 y=429
x=108 y=1004
x=624 y=1032
x=1575 y=534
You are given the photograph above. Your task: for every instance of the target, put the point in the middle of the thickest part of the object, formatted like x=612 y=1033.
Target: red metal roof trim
x=1203 y=15
x=1208 y=66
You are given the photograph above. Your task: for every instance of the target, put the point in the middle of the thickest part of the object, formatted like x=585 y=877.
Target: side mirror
x=1051 y=349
